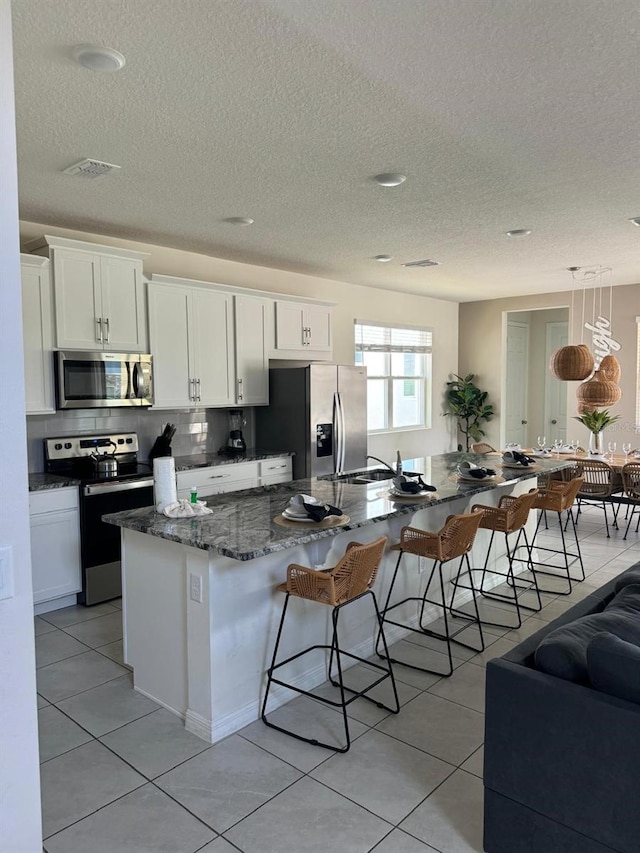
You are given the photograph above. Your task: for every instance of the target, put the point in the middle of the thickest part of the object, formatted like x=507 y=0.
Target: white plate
x=469 y=479
x=538 y=455
x=296 y=517
x=517 y=465
x=294 y=513
x=420 y=494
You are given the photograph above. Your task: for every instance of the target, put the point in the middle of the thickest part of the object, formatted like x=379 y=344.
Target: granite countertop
x=205 y=460
x=242 y=527
x=43 y=482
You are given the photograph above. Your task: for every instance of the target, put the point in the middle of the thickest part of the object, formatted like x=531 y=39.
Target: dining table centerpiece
x=596 y=422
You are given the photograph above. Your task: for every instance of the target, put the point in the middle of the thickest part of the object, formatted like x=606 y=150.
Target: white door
x=555 y=391
x=169 y=339
x=252 y=326
x=211 y=328
x=78 y=300
x=123 y=305
x=516 y=386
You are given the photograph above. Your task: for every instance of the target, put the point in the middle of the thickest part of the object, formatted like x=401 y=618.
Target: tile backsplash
x=197 y=430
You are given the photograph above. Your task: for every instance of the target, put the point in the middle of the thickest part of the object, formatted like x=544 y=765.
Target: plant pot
x=596 y=444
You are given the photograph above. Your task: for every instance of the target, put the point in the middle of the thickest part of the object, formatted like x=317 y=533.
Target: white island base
x=199 y=628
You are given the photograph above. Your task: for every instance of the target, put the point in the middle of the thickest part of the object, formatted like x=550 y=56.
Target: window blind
x=371 y=337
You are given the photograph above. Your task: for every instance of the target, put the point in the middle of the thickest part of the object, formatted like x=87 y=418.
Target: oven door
x=89 y=380
x=100 y=542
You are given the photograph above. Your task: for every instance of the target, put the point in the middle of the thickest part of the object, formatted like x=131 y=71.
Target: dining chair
x=631 y=487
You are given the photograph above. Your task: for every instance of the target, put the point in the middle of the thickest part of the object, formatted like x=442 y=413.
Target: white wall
x=20 y=825
x=352 y=302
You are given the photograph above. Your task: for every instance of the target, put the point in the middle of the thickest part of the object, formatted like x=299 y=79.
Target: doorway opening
x=534 y=401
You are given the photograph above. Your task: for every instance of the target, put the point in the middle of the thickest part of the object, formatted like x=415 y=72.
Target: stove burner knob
x=57 y=446
x=129 y=441
x=121 y=441
x=67 y=445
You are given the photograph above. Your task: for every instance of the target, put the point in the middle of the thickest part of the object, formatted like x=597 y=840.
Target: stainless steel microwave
x=97 y=380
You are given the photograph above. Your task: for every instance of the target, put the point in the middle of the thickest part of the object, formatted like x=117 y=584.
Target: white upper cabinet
x=37 y=324
x=191 y=337
x=99 y=296
x=303 y=330
x=254 y=334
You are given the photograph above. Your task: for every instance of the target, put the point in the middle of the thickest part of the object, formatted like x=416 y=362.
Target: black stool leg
x=273 y=659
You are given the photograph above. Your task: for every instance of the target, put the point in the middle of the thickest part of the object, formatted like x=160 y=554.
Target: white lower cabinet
x=276 y=470
x=55 y=543
x=219 y=479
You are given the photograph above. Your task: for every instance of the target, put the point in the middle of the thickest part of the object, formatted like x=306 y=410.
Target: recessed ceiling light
x=239 y=220
x=98 y=58
x=390 y=179
x=519 y=232
x=383 y=258
x=635 y=220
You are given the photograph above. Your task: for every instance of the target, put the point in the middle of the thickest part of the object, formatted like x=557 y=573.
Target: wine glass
x=542 y=441
x=557 y=445
x=574 y=445
x=612 y=448
x=626 y=449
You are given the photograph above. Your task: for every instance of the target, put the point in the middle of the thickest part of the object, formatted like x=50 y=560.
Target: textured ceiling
x=502 y=113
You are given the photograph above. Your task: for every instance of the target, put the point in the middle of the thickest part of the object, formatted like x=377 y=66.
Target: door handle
x=192 y=390
x=106 y=323
x=554 y=421
x=198 y=398
x=523 y=422
x=240 y=397
x=99 y=336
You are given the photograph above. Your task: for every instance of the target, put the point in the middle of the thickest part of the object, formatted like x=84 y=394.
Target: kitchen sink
x=362 y=478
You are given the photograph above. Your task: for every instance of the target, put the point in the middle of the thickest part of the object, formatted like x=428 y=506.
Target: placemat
x=329 y=521
x=411 y=499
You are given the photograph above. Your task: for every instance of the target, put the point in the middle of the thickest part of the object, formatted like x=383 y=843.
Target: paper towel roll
x=164 y=482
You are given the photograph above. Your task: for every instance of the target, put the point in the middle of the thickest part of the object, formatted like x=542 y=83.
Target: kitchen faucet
x=395 y=471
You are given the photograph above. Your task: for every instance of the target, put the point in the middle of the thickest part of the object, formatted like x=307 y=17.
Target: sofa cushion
x=563 y=652
x=614 y=667
x=632 y=575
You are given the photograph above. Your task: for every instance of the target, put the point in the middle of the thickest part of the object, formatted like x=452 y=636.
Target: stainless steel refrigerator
x=319 y=412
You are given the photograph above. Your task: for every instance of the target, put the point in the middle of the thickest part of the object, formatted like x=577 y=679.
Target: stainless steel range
x=111 y=480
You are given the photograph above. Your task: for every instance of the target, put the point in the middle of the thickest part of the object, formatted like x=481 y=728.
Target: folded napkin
x=314 y=508
x=470 y=469
x=514 y=457
x=544 y=452
x=185 y=509
x=412 y=486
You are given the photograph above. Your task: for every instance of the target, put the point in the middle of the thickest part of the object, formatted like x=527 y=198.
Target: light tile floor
x=121 y=775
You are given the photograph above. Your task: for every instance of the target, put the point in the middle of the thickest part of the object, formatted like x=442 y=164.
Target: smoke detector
x=88 y=168
x=428 y=262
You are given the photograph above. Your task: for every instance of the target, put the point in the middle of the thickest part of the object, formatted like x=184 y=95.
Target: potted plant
x=596 y=422
x=468 y=404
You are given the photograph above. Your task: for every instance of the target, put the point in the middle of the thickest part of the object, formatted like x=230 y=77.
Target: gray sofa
x=562 y=759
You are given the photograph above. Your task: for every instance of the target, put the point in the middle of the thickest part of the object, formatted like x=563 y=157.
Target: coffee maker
x=236 y=442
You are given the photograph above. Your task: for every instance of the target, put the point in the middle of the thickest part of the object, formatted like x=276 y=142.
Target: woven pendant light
x=598 y=392
x=584 y=408
x=573 y=362
x=610 y=368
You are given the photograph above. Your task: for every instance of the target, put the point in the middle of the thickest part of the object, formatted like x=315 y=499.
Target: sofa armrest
x=565 y=751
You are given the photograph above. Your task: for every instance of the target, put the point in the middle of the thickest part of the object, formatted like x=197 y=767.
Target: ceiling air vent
x=426 y=263
x=91 y=169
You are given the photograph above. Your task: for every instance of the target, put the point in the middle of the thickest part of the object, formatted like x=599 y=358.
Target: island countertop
x=242 y=527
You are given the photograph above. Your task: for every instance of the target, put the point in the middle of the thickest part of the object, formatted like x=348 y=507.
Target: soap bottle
x=398 y=463
x=194 y=496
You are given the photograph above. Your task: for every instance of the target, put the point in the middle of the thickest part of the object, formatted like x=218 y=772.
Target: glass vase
x=596 y=444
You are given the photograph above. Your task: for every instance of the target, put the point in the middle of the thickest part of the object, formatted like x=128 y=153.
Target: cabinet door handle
x=275 y=467
x=240 y=397
x=99 y=336
x=199 y=398
x=309 y=336
x=106 y=323
x=192 y=389
x=217 y=477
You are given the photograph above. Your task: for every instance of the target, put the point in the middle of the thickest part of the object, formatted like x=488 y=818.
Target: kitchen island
x=200 y=606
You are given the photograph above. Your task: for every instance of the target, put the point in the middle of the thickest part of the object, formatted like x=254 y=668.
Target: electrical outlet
x=6 y=571
x=196 y=587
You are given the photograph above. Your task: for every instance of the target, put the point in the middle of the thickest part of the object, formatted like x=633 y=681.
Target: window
x=398 y=362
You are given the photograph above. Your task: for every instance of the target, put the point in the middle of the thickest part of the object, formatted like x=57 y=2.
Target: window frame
x=386 y=339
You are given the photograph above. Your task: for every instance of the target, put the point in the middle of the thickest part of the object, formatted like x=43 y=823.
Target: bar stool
x=454 y=540
x=598 y=486
x=350 y=579
x=510 y=516
x=631 y=485
x=559 y=498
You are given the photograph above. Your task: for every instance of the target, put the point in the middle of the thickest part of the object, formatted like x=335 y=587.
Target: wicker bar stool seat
x=509 y=517
x=482 y=447
x=453 y=541
x=558 y=498
x=631 y=486
x=351 y=579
